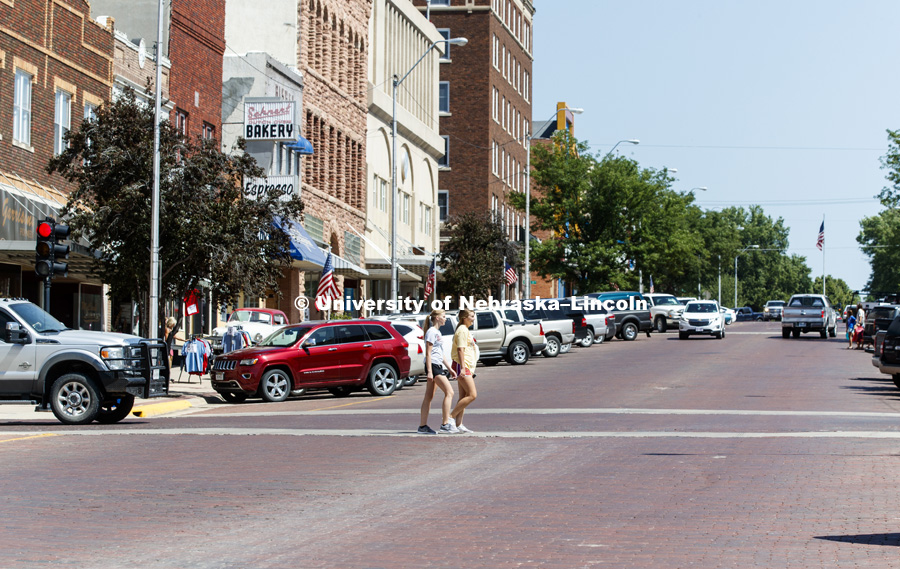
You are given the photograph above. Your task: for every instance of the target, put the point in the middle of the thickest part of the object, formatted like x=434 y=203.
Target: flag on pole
x=327 y=287
x=820 y=242
x=651 y=285
x=511 y=275
x=429 y=284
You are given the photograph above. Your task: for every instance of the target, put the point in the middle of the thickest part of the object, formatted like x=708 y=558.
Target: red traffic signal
x=45 y=229
x=49 y=250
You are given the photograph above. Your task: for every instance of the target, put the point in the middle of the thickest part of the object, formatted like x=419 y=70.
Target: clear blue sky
x=778 y=103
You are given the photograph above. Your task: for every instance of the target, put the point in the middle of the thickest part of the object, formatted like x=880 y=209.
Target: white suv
x=702 y=317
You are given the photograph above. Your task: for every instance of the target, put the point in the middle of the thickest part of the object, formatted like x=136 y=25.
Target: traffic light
x=49 y=250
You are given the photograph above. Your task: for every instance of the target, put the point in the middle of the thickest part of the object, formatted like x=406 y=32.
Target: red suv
x=339 y=356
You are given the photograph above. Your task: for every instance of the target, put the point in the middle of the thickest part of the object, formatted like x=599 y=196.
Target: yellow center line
x=354 y=403
x=31 y=437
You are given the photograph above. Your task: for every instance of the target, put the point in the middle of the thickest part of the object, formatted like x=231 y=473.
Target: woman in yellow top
x=463 y=354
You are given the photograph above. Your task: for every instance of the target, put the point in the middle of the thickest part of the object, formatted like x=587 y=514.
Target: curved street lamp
x=397 y=81
x=629 y=141
x=528 y=138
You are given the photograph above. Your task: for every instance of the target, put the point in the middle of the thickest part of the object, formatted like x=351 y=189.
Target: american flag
x=511 y=275
x=651 y=285
x=429 y=284
x=820 y=242
x=327 y=287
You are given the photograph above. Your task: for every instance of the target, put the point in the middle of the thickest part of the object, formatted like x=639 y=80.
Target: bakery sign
x=270 y=120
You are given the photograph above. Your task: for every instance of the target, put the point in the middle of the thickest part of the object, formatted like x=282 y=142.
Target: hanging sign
x=270 y=120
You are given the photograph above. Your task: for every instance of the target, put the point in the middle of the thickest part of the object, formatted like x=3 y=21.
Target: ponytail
x=434 y=313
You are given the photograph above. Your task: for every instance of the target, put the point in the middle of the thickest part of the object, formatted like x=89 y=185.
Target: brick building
x=56 y=66
x=487 y=105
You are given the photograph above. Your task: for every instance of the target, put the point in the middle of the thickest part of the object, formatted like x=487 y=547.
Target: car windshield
x=662 y=300
x=776 y=303
x=702 y=307
x=285 y=337
x=807 y=301
x=37 y=318
x=250 y=316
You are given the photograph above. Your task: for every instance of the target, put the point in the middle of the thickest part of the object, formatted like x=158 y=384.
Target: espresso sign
x=255 y=188
x=270 y=120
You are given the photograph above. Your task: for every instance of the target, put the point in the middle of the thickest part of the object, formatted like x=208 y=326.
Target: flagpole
x=434 y=259
x=503 y=286
x=823 y=256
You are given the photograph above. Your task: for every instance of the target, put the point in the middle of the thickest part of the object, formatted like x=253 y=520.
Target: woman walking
x=860 y=326
x=436 y=368
x=463 y=355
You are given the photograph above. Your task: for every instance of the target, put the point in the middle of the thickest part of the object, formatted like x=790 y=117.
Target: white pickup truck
x=808 y=313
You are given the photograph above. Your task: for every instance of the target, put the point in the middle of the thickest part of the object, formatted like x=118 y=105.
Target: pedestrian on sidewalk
x=171 y=329
x=851 y=325
x=437 y=368
x=463 y=354
x=860 y=325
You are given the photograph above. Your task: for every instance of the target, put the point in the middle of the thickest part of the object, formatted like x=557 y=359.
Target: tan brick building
x=56 y=65
x=488 y=109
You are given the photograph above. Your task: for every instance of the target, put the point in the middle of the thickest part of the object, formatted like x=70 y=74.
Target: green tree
x=208 y=230
x=880 y=234
x=472 y=259
x=837 y=290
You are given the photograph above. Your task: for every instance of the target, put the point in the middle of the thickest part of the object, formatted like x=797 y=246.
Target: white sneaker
x=462 y=429
x=449 y=428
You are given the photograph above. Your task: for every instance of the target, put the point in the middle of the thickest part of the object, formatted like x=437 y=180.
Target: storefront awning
x=413 y=264
x=385 y=275
x=301 y=146
x=344 y=267
x=306 y=255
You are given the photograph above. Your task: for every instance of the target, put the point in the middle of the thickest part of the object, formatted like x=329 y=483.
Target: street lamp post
x=528 y=138
x=396 y=83
x=629 y=141
x=735 y=270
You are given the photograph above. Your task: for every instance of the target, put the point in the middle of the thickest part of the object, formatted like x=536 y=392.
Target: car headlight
x=115 y=358
x=249 y=362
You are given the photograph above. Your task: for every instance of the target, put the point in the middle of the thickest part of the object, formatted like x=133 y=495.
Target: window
x=496 y=50
x=350 y=334
x=494 y=103
x=377 y=332
x=485 y=320
x=440 y=2
x=90 y=111
x=62 y=120
x=209 y=131
x=443 y=205
x=181 y=121
x=321 y=337
x=444 y=161
x=494 y=152
x=425 y=219
x=504 y=61
x=445 y=33
x=22 y=108
x=444 y=97
x=404 y=212
x=384 y=194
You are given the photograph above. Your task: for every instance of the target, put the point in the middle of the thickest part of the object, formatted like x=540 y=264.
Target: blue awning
x=301 y=146
x=303 y=248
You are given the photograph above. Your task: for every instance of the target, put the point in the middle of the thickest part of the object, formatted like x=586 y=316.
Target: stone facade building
x=398 y=36
x=56 y=66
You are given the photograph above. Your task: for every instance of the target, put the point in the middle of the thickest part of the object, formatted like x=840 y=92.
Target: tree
x=473 y=257
x=880 y=234
x=836 y=289
x=208 y=230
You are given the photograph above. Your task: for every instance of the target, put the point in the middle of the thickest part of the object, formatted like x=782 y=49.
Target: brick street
x=752 y=451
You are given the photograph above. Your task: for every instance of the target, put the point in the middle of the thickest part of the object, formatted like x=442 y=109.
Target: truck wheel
x=588 y=340
x=275 y=386
x=832 y=332
x=785 y=332
x=823 y=333
x=552 y=349
x=661 y=325
x=565 y=348
x=233 y=396
x=896 y=378
x=795 y=332
x=629 y=331
x=518 y=353
x=114 y=410
x=75 y=399
x=383 y=380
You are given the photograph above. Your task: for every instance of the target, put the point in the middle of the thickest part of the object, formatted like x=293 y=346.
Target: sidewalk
x=183 y=394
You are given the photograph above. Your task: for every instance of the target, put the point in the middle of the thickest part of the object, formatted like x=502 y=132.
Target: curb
x=152 y=409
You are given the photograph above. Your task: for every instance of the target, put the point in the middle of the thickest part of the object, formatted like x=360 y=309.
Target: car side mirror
x=14 y=334
x=309 y=343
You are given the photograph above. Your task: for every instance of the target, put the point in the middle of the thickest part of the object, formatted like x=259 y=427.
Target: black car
x=631 y=309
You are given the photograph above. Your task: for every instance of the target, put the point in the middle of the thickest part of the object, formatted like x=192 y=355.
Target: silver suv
x=80 y=375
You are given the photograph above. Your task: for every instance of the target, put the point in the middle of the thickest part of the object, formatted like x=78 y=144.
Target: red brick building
x=196 y=47
x=487 y=106
x=56 y=65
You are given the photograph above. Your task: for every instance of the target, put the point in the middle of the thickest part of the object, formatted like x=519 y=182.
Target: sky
x=784 y=104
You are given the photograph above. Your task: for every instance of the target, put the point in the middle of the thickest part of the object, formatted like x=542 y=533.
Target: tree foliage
x=208 y=231
x=472 y=259
x=879 y=234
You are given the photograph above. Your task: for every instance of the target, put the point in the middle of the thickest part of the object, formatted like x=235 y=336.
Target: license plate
x=219 y=376
x=801 y=324
x=155 y=374
x=698 y=329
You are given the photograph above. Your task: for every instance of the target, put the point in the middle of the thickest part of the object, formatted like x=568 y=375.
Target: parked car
x=514 y=341
x=808 y=313
x=558 y=331
x=340 y=356
x=878 y=318
x=447 y=330
x=886 y=356
x=685 y=299
x=772 y=310
x=632 y=319
x=665 y=310
x=258 y=322
x=728 y=313
x=413 y=334
x=849 y=310
x=599 y=322
x=701 y=317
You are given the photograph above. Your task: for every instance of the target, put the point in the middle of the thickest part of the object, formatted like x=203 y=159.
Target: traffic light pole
x=47 y=281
